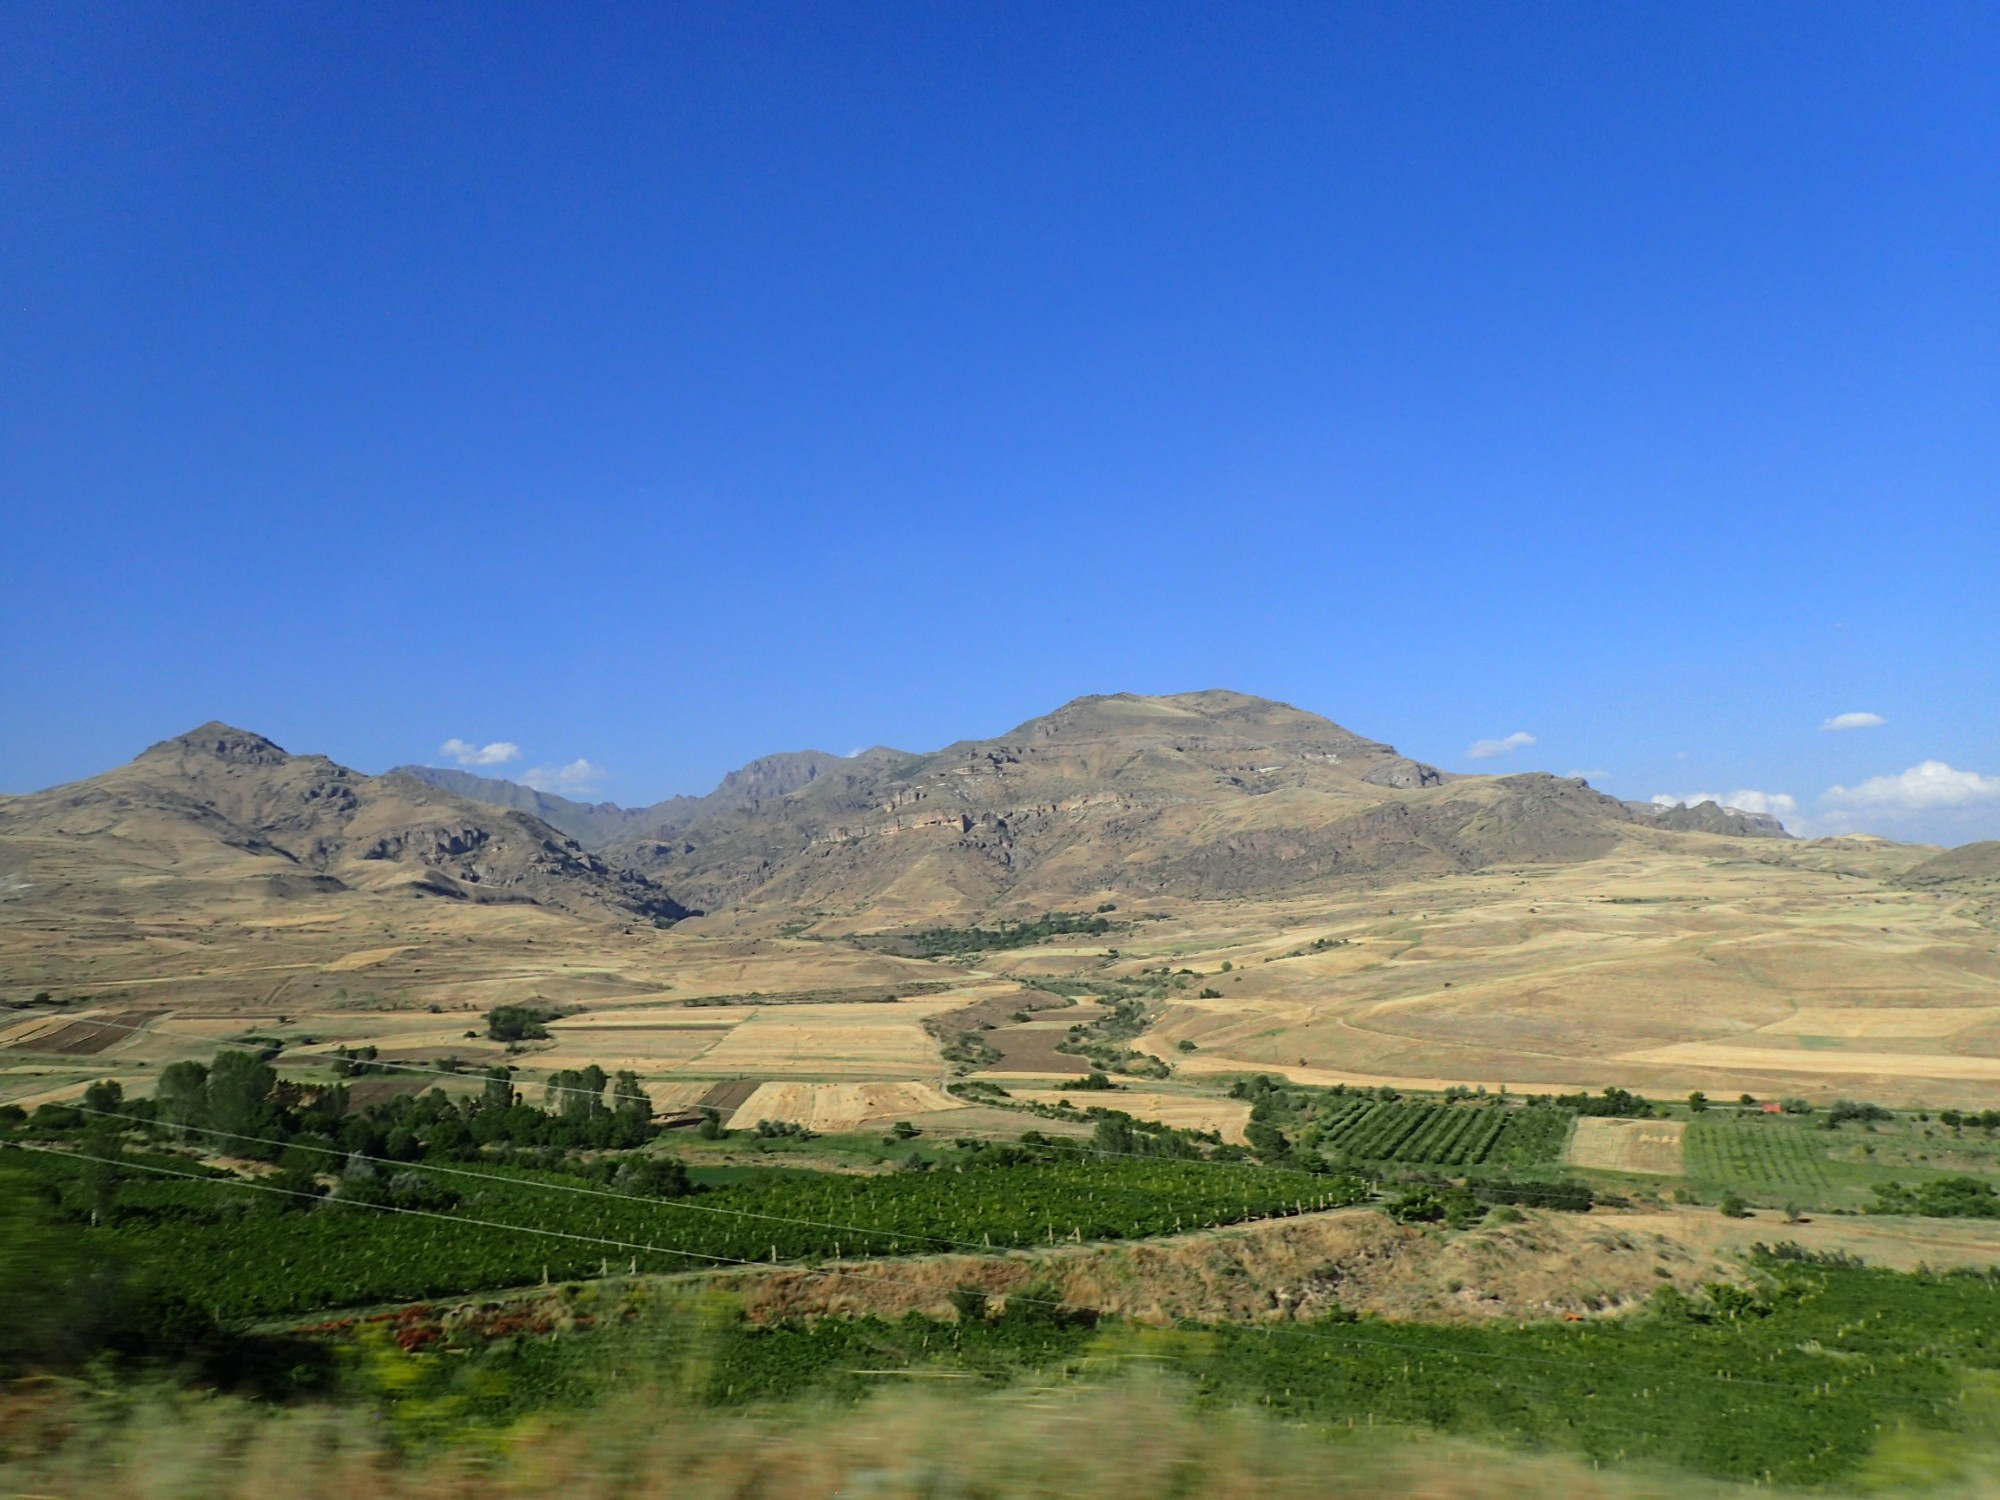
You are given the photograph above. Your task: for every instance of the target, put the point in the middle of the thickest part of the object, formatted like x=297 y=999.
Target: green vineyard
x=1756 y=1156
x=242 y=1253
x=1443 y=1135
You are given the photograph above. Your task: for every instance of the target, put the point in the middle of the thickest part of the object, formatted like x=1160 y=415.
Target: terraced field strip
x=727 y=1096
x=87 y=1036
x=1032 y=1049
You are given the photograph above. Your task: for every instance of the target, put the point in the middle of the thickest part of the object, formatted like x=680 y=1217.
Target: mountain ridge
x=222 y=803
x=599 y=824
x=1212 y=795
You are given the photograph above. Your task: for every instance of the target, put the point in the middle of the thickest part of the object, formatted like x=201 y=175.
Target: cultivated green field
x=1773 y=1161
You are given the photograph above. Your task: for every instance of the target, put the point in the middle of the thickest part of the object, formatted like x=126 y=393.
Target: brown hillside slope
x=220 y=805
x=1196 y=795
x=1968 y=864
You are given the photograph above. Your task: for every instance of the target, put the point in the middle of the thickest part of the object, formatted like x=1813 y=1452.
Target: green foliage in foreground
x=241 y=1253
x=1795 y=1385
x=1796 y=1382
x=82 y=1301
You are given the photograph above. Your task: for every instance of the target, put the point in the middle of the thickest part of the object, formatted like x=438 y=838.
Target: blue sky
x=656 y=387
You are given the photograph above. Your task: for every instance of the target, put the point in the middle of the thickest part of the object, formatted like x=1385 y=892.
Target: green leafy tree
x=516 y=1023
x=1113 y=1136
x=629 y=1100
x=1417 y=1205
x=296 y=1179
x=577 y=1093
x=238 y=1085
x=182 y=1097
x=101 y=1151
x=499 y=1090
x=653 y=1176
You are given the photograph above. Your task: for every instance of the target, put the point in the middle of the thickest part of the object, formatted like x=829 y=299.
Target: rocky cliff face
x=598 y=825
x=591 y=824
x=1710 y=817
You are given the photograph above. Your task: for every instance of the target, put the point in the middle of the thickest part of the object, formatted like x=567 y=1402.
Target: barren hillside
x=224 y=807
x=1196 y=796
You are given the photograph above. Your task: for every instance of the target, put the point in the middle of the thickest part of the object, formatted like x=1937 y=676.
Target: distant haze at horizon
x=619 y=396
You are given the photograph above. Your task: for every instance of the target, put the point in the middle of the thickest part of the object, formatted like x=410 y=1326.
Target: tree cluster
x=237 y=1105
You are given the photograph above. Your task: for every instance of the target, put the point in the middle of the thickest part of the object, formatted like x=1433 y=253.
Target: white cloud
x=1779 y=805
x=1854 y=721
x=1922 y=788
x=572 y=780
x=1488 y=749
x=467 y=754
x=1597 y=775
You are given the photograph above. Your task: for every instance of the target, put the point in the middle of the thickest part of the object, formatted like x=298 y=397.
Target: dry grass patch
x=1547 y=1265
x=1627 y=1145
x=832 y=1107
x=367 y=958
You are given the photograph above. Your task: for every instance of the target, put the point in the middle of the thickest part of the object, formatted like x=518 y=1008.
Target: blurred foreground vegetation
x=179 y=1325
x=1815 y=1374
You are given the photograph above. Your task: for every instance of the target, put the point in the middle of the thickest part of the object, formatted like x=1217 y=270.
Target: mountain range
x=1201 y=796
x=1194 y=796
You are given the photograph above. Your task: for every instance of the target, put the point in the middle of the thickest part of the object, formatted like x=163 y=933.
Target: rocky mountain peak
x=224 y=742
